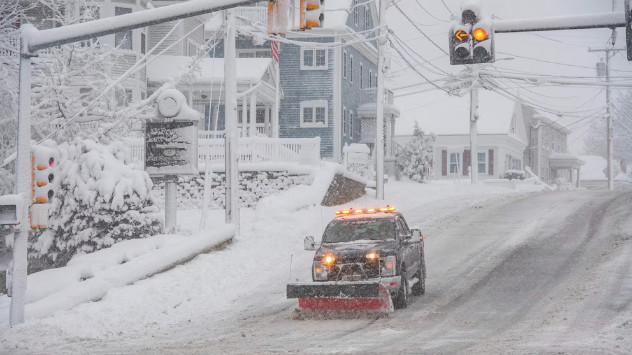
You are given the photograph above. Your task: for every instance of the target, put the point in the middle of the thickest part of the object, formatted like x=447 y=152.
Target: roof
x=452 y=117
x=554 y=121
x=211 y=70
x=370 y=109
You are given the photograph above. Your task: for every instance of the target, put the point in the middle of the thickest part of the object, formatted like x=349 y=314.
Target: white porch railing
x=251 y=150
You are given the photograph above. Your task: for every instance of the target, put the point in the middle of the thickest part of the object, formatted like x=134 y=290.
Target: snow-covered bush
x=415 y=159
x=101 y=199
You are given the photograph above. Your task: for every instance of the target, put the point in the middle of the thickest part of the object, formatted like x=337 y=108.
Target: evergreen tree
x=415 y=159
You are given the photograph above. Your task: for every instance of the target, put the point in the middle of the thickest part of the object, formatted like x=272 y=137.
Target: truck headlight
x=320 y=271
x=388 y=266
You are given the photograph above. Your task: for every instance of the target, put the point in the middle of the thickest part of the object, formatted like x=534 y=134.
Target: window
x=313 y=59
x=366 y=17
x=350 y=124
x=123 y=97
x=375 y=79
x=314 y=113
x=370 y=78
x=482 y=162
x=361 y=75
x=345 y=123
x=123 y=40
x=455 y=163
x=344 y=64
x=143 y=43
x=356 y=12
x=351 y=68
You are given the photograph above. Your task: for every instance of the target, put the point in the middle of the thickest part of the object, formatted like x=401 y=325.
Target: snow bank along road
x=547 y=272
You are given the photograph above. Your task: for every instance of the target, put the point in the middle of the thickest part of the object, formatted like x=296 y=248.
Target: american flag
x=274 y=48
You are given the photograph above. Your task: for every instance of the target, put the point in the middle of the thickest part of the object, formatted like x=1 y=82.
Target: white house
x=501 y=136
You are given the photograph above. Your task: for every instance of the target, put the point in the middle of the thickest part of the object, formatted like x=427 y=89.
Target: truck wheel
x=401 y=300
x=419 y=288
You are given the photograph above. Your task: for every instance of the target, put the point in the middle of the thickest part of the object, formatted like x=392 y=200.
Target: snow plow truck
x=368 y=260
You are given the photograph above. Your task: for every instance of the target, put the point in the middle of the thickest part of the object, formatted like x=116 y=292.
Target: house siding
x=305 y=85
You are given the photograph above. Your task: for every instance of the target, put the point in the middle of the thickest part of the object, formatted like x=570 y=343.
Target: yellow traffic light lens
x=479 y=34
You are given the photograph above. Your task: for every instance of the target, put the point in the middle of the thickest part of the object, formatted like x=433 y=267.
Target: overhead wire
x=419 y=29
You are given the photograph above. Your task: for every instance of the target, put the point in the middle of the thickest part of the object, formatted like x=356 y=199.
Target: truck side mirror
x=308 y=243
x=417 y=234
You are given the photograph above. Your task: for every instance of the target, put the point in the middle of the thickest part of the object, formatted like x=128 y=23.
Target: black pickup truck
x=361 y=251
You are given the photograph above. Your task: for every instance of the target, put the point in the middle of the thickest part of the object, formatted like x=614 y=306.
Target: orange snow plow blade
x=348 y=296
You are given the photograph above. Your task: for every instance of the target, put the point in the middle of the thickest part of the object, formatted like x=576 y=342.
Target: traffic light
x=460 y=44
x=277 y=16
x=312 y=13
x=472 y=39
x=43 y=160
x=483 y=50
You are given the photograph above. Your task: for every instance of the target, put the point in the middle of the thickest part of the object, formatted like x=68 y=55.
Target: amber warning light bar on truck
x=350 y=211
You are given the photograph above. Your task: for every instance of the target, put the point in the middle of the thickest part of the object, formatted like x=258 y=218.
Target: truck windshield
x=340 y=231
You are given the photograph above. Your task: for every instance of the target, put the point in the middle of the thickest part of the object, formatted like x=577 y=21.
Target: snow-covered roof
x=370 y=109
x=558 y=122
x=452 y=117
x=211 y=70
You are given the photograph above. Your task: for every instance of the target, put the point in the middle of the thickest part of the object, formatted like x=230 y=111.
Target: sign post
x=171 y=147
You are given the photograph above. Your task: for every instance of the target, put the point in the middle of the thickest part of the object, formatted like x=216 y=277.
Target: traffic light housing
x=472 y=39
x=277 y=16
x=43 y=161
x=312 y=13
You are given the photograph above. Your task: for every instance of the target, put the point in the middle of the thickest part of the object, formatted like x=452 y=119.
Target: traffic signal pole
x=474 y=131
x=23 y=185
x=231 y=199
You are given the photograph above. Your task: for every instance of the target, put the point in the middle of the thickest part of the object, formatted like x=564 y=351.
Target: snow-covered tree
x=101 y=199
x=415 y=159
x=11 y=12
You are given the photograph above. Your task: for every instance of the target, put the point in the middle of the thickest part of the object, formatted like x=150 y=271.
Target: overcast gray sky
x=569 y=47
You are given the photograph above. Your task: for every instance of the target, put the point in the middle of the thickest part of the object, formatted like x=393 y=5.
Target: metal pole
x=474 y=132
x=23 y=186
x=379 y=142
x=171 y=190
x=277 y=99
x=609 y=125
x=231 y=138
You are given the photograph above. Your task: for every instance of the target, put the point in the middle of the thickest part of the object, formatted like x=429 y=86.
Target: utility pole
x=379 y=141
x=609 y=52
x=231 y=159
x=474 y=131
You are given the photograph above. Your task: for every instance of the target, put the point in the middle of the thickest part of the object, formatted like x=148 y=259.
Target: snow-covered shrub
x=415 y=159
x=563 y=184
x=101 y=199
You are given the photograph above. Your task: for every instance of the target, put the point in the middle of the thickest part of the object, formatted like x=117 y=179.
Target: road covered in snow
x=507 y=272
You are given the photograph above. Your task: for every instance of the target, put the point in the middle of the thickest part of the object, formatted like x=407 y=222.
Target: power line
x=414 y=68
x=402 y=43
x=428 y=12
x=419 y=29
x=559 y=63
x=447 y=8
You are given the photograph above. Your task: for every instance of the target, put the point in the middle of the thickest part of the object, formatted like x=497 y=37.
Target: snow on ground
x=252 y=271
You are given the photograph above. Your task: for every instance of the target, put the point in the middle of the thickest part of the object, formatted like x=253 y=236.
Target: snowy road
x=548 y=272
x=556 y=279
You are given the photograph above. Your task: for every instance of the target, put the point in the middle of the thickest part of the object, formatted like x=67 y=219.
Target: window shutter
x=491 y=162
x=467 y=161
x=444 y=165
